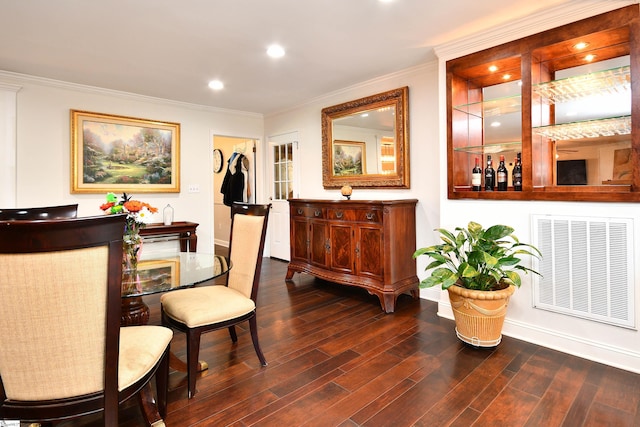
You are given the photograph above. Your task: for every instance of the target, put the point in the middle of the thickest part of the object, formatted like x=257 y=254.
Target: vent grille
x=587 y=267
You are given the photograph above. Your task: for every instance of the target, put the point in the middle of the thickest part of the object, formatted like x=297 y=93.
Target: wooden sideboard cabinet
x=364 y=243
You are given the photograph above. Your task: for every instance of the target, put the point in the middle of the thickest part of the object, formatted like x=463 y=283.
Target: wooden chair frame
x=194 y=334
x=57 y=235
x=44 y=212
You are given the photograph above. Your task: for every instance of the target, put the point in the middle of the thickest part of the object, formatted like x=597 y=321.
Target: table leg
x=134 y=312
x=178 y=365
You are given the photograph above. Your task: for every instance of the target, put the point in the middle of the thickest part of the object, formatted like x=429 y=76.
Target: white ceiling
x=172 y=48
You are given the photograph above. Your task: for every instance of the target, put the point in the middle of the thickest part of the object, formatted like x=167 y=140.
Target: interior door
x=284 y=181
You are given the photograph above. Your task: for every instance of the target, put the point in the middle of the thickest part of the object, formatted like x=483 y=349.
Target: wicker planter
x=479 y=315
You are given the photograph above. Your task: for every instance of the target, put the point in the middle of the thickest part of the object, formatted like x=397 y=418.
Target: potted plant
x=480 y=269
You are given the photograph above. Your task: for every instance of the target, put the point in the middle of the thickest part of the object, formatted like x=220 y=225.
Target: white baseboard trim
x=595 y=351
x=220 y=242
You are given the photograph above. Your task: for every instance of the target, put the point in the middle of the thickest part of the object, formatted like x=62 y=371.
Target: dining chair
x=208 y=308
x=63 y=353
x=42 y=212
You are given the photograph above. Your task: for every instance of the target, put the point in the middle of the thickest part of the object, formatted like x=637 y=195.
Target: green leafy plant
x=475 y=258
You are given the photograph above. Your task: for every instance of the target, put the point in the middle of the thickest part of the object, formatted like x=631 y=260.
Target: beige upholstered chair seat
x=141 y=348
x=204 y=306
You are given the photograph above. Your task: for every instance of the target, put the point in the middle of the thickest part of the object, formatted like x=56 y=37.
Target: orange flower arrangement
x=139 y=214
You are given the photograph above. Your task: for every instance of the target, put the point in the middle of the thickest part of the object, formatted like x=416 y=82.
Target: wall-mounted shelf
x=606 y=82
x=491 y=148
x=555 y=102
x=586 y=129
x=493 y=107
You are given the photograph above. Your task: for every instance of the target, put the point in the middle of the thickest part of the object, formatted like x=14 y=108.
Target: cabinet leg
x=289 y=275
x=388 y=302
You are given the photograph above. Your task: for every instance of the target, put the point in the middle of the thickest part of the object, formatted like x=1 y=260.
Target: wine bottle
x=502 y=175
x=476 y=176
x=517 y=174
x=489 y=175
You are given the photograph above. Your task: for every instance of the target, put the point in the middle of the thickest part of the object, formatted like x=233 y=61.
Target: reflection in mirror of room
x=365 y=142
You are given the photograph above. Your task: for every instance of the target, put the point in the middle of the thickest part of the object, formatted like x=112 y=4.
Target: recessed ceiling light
x=580 y=45
x=216 y=84
x=275 y=51
x=589 y=57
x=493 y=68
x=506 y=77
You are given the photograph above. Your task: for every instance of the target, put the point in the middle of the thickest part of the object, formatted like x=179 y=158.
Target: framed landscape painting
x=123 y=154
x=152 y=276
x=348 y=158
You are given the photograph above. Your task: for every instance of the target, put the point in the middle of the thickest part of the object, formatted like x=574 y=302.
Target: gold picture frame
x=111 y=153
x=152 y=276
x=349 y=158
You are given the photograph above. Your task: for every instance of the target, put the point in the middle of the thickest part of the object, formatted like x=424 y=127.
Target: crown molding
x=376 y=81
x=10 y=87
x=571 y=11
x=26 y=78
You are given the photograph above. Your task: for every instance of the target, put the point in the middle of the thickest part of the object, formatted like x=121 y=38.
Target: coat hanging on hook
x=235 y=185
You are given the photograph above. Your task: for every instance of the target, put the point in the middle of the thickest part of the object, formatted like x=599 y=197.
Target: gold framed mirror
x=365 y=143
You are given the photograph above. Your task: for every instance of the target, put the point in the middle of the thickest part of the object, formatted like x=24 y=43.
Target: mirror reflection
x=365 y=142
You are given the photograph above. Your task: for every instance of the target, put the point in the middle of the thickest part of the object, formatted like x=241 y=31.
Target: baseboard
x=595 y=351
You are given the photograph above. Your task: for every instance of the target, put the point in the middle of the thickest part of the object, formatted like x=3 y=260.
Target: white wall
x=43 y=146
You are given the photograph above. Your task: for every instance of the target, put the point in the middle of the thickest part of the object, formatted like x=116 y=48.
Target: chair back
x=60 y=308
x=246 y=245
x=44 y=212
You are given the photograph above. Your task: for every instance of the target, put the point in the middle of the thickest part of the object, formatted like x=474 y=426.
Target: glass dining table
x=165 y=271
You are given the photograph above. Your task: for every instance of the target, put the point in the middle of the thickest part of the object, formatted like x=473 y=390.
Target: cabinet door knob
x=327 y=246
x=369 y=215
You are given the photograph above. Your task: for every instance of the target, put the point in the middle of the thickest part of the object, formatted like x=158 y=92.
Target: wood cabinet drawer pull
x=339 y=214
x=317 y=212
x=369 y=216
x=300 y=211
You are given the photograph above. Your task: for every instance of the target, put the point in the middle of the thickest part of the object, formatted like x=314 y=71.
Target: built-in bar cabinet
x=564 y=100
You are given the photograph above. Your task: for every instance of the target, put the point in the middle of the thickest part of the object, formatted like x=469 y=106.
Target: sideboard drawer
x=372 y=215
x=341 y=214
x=307 y=212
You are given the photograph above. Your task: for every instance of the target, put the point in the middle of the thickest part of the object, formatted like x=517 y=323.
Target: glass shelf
x=587 y=129
x=493 y=107
x=606 y=82
x=491 y=148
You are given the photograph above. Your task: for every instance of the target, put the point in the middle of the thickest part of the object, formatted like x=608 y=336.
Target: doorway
x=235 y=154
x=284 y=178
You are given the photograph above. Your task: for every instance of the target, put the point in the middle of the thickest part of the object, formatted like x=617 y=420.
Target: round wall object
x=217 y=160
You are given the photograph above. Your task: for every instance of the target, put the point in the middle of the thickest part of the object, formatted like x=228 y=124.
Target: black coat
x=233 y=182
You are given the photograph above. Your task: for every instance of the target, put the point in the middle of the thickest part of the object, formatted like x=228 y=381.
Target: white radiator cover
x=587 y=267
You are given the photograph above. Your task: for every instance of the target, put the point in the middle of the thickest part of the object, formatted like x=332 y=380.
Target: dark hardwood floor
x=335 y=359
